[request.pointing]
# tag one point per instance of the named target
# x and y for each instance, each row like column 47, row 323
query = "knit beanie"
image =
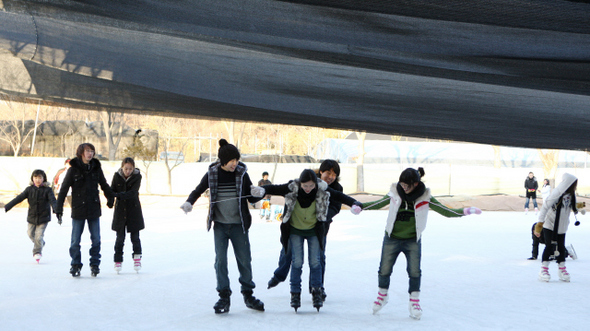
column 227, row 152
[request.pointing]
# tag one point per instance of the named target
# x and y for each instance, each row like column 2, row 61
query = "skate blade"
column 221, row 311
column 416, row 317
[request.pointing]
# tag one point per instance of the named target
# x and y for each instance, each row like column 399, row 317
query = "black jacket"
column 84, row 181
column 127, row 208
column 40, row 199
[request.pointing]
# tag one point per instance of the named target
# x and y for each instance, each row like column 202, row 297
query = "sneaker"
column 37, row 257
column 137, row 262
column 563, row 274
column 381, row 301
column 414, row 306
column 118, row 266
column 544, row 275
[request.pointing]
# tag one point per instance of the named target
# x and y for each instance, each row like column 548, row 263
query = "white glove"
column 583, row 211
column 355, row 209
column 257, row 191
column 471, row 210
column 186, row 207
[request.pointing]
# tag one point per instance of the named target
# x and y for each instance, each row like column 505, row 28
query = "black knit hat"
column 227, row 152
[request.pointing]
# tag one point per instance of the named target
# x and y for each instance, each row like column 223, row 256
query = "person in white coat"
column 553, row 224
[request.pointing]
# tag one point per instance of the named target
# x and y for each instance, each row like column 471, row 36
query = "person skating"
column 409, row 201
column 229, row 185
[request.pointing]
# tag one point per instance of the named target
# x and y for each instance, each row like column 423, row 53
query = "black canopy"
column 514, row 73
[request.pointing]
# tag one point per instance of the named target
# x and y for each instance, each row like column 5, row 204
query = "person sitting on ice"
column 409, row 201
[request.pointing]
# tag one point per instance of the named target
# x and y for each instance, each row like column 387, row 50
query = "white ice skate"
column 414, row 306
column 571, row 252
column 37, row 257
column 381, row 301
column 118, row 267
column 136, row 262
column 564, row 276
column 544, row 275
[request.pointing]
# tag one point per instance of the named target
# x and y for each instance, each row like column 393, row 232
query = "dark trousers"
column 120, row 242
column 536, row 242
column 549, row 247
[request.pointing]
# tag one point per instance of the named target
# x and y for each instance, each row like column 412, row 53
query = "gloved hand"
column 583, row 211
column 356, row 208
column 59, row 216
column 471, row 210
column 110, row 203
column 187, row 207
column 257, row 191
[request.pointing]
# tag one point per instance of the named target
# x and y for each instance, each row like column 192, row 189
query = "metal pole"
column 35, row 129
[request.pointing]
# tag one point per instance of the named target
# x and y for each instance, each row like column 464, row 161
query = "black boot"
column 295, row 300
column 316, row 294
column 222, row 305
column 273, row 282
column 251, row 301
column 94, row 270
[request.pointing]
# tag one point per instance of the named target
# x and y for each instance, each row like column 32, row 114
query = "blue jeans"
column 77, row 229
column 223, row 233
column 315, row 268
column 389, row 253
column 526, row 204
column 282, row 270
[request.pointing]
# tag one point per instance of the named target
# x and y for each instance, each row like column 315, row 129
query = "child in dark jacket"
column 128, row 216
column 41, row 199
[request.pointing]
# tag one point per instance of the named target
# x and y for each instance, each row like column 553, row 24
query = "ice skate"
column 526, row 211
column 273, row 282
column 251, row 301
column 222, row 305
column 414, row 306
column 316, row 294
column 564, row 276
column 544, row 273
column 137, row 262
column 75, row 270
column 37, row 257
column 118, row 267
column 536, row 210
column 381, row 301
column 295, row 300
column 94, row 270
column 571, row 252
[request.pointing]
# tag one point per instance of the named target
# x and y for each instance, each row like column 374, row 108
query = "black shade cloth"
column 513, row 73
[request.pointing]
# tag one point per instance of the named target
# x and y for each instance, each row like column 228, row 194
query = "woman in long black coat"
column 128, row 216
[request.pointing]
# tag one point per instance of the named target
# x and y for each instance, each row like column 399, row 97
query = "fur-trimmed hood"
column 322, row 200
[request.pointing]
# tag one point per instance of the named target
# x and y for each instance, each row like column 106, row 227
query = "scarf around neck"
column 305, row 199
column 415, row 194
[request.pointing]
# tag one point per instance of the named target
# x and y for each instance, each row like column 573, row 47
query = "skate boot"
column 273, row 282
column 94, row 270
column 295, row 300
column 75, row 270
column 222, row 305
column 118, row 267
column 544, row 275
column 564, row 276
column 137, row 262
column 536, row 210
column 37, row 257
column 571, row 252
column 381, row 301
column 251, row 301
column 316, row 295
column 414, row 306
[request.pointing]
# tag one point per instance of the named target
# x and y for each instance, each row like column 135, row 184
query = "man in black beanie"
column 229, row 185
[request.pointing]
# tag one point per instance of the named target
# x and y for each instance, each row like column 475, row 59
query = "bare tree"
column 231, row 131
column 550, row 159
column 138, row 151
column 110, row 121
column 16, row 129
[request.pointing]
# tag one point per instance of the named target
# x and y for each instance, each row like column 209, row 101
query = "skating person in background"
column 531, row 186
column 84, row 177
column 329, row 172
column 229, row 186
column 554, row 220
column 41, row 199
column 545, row 190
column 306, row 208
column 127, row 216
column 409, row 201
column 265, row 207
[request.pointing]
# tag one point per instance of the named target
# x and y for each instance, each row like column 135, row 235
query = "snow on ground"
column 475, row 277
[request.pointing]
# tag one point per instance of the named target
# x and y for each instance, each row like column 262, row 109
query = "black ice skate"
column 75, row 270
column 94, row 270
column 251, row 301
column 295, row 300
column 222, row 305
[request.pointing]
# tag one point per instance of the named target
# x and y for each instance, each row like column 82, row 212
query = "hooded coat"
column 548, row 211
column 84, row 181
column 127, row 207
column 41, row 200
